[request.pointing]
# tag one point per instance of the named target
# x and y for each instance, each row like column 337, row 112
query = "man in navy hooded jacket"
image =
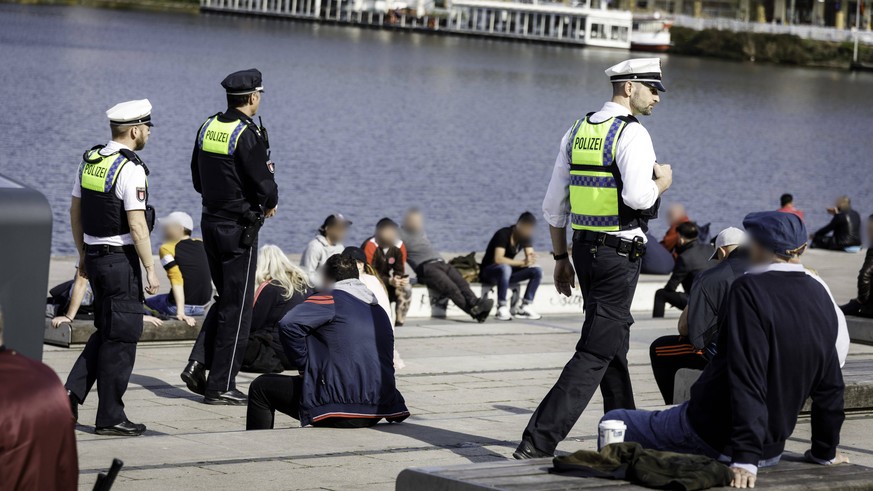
column 344, row 343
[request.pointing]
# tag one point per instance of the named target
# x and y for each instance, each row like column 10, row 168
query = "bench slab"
column 791, row 474
column 860, row 329
column 78, row 332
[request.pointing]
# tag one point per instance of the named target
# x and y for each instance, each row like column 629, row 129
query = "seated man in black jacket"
column 343, row 342
column 698, row 324
column 776, row 348
column 862, row 305
column 844, row 229
column 693, row 258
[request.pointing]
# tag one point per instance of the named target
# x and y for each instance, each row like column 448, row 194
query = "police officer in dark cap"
column 232, row 171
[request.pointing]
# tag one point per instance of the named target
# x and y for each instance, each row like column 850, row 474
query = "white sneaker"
column 503, row 313
column 525, row 312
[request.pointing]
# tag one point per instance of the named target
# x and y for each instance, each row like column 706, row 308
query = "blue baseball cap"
column 783, row 233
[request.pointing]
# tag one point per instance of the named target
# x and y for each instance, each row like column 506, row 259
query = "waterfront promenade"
column 470, row 387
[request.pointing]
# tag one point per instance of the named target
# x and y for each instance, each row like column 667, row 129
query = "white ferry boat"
column 650, row 32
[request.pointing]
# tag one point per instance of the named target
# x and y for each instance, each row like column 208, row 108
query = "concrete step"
column 860, row 329
column 78, row 332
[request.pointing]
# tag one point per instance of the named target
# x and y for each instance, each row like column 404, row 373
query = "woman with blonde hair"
column 281, row 286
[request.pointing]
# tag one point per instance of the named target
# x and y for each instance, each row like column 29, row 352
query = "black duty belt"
column 108, row 249
column 633, row 249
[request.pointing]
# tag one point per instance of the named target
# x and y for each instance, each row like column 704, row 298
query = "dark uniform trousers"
column 607, row 281
column 221, row 345
column 108, row 357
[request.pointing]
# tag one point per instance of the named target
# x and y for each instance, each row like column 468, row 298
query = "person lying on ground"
column 501, row 268
column 342, row 340
column 184, row 260
column 432, row 270
column 779, row 343
column 78, row 292
column 862, row 305
column 281, row 287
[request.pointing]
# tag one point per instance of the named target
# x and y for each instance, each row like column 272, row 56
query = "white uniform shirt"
column 129, row 179
column 635, row 157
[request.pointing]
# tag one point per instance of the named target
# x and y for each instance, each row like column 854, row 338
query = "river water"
column 369, row 123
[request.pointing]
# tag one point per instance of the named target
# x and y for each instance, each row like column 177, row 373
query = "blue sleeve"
column 748, row 352
column 298, row 324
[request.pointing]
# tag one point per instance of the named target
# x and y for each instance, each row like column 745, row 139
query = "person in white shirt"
column 111, row 222
column 328, row 242
column 607, row 184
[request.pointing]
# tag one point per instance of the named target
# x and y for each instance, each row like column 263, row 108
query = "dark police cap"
column 783, row 233
column 355, row 253
column 243, row 82
column 386, row 222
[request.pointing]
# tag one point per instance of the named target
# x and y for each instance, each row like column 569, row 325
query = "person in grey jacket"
column 328, row 242
column 693, row 258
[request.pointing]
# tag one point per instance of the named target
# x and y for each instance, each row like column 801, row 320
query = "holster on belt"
column 632, row 249
column 252, row 222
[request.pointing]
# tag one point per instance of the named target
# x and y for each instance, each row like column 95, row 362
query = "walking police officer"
column 606, row 183
column 111, row 221
column 232, row 170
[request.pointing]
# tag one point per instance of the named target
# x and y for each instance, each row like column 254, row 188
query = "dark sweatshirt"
column 775, row 348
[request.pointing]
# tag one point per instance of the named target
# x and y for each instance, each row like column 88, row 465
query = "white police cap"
column 131, row 113
column 644, row 70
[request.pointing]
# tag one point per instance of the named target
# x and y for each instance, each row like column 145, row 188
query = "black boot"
column 232, row 397
column 526, row 450
column 194, row 376
column 482, row 309
column 125, row 428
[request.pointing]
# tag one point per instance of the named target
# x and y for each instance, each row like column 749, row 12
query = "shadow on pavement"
column 160, row 388
column 471, row 447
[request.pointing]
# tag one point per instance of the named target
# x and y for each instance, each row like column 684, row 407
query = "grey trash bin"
column 25, row 252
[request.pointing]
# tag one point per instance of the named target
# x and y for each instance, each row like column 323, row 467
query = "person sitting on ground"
column 657, row 259
column 843, row 231
column 698, row 325
column 676, row 216
column 328, row 242
column 386, row 253
column 342, row 341
column 499, row 266
column 433, row 271
column 862, row 305
column 786, row 203
column 281, row 287
column 37, row 440
column 184, row 260
column 779, row 343
column 369, row 277
column 81, row 291
column 693, row 258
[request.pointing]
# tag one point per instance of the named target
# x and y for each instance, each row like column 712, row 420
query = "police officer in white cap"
column 606, row 184
column 232, row 171
column 111, row 221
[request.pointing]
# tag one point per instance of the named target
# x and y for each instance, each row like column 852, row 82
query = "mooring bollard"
column 25, row 252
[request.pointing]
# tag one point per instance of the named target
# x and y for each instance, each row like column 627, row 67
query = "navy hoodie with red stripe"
column 344, row 343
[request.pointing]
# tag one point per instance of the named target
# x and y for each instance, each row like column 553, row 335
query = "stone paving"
column 471, row 389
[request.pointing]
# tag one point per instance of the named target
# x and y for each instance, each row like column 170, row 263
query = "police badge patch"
column 141, row 194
